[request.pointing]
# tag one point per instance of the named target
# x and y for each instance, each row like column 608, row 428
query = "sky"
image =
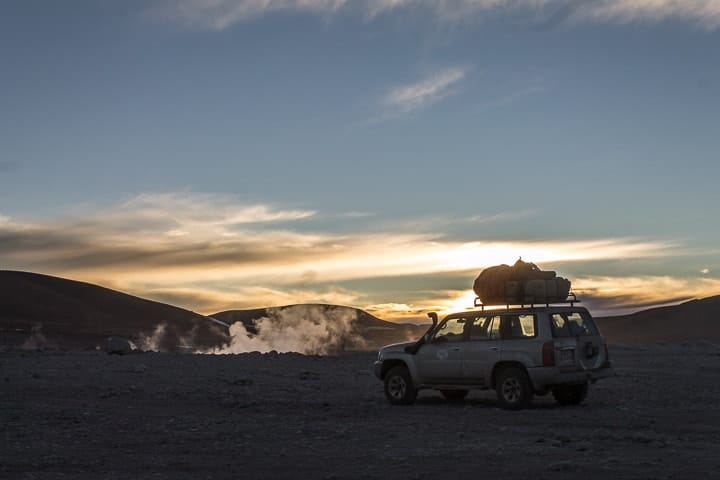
column 220, row 154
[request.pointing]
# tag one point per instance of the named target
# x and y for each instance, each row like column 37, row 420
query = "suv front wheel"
column 399, row 387
column 513, row 389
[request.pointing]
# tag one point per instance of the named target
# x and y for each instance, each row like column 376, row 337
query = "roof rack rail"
column 571, row 299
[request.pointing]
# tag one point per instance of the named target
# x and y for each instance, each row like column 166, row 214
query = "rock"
column 118, row 346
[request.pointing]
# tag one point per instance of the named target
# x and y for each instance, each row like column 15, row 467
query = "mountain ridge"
column 695, row 320
column 71, row 314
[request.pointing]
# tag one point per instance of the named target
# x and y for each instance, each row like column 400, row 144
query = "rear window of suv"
column 574, row 324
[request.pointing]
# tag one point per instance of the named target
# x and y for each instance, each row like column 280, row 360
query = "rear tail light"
column 548, row 354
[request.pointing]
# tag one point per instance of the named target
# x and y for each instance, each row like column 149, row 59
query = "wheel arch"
column 392, row 363
column 505, row 364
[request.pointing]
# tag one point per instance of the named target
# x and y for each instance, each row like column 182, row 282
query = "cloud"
column 235, row 255
column 501, row 217
column 356, row 214
column 703, row 12
column 222, row 14
column 705, row 271
column 415, row 95
column 197, row 212
column 136, row 239
column 207, row 300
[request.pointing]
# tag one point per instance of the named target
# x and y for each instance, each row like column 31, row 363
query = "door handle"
column 456, row 349
column 494, row 349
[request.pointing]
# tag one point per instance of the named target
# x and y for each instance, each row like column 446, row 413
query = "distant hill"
column 693, row 321
column 76, row 315
column 41, row 310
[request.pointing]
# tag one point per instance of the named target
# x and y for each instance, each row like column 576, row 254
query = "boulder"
column 119, row 346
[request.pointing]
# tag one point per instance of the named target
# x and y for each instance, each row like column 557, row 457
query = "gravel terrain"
column 174, row 416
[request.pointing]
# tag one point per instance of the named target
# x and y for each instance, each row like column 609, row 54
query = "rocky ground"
column 91, row 415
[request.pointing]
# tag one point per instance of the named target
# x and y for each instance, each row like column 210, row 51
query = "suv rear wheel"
column 513, row 389
column 399, row 387
column 570, row 394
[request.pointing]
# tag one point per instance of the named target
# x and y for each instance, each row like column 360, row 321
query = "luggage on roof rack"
column 522, row 284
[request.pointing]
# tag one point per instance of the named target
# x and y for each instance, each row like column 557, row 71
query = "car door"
column 440, row 360
column 483, row 349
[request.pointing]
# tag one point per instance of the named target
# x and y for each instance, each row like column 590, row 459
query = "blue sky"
column 236, row 153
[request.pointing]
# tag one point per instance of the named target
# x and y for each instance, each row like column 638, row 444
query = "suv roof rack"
column 571, row 299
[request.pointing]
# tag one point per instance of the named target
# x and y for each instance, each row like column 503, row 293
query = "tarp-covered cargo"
column 523, row 283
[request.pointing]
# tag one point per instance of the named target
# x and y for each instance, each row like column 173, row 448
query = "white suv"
column 519, row 352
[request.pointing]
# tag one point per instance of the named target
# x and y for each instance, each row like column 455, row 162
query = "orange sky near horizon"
column 209, row 254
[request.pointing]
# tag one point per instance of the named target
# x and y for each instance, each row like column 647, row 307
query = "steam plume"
column 310, row 330
column 153, row 342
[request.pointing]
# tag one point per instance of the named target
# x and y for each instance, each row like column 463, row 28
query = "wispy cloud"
column 703, row 12
column 197, row 212
column 356, row 214
column 412, row 96
column 221, row 14
column 501, row 216
column 209, row 301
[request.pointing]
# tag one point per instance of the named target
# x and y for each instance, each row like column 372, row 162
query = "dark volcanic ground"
column 90, row 415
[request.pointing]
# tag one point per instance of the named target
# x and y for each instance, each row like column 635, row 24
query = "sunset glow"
column 233, row 256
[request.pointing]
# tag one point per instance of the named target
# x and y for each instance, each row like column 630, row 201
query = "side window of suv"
column 493, row 328
column 451, row 330
column 518, row 326
column 485, row 328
